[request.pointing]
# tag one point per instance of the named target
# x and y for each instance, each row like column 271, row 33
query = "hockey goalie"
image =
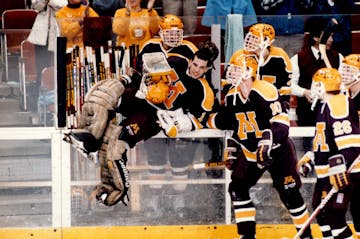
column 98, row 132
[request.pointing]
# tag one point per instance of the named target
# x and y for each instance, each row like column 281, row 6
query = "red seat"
column 11, row 4
column 16, row 24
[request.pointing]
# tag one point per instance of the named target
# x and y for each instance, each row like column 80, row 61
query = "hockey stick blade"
column 209, row 165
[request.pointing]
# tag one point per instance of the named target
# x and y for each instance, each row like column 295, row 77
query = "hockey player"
column 260, row 142
column 167, row 91
column 350, row 72
column 335, row 146
column 180, row 52
column 274, row 63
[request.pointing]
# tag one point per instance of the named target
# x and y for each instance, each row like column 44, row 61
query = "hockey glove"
column 167, row 123
column 339, row 177
column 264, row 148
column 230, row 153
column 306, row 164
column 174, row 122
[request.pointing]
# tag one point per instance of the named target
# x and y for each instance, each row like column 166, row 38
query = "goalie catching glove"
column 338, row 175
column 306, row 164
column 263, row 156
column 174, row 122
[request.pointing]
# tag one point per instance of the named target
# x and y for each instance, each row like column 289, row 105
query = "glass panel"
column 25, row 183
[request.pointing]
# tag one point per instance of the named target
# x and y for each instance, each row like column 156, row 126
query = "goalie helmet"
column 171, row 30
column 325, row 80
column 242, row 67
column 260, row 35
column 157, row 76
column 350, row 70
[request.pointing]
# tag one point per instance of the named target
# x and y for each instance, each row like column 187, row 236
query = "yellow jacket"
column 70, row 21
column 136, row 28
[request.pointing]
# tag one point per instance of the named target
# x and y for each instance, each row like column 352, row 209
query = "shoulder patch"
column 209, row 98
column 339, row 106
column 267, row 90
column 278, row 52
column 190, row 45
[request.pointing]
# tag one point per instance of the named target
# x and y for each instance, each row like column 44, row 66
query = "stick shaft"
column 323, row 203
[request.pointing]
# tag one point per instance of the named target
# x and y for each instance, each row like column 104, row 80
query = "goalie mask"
column 350, row 70
column 260, row 36
column 325, row 80
column 157, row 76
column 171, row 30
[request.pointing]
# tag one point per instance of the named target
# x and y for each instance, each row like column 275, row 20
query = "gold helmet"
column 260, row 35
column 329, row 78
column 241, row 67
column 171, row 30
column 350, row 70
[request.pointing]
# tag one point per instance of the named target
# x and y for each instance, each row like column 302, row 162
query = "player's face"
column 197, row 68
column 171, row 37
column 251, row 42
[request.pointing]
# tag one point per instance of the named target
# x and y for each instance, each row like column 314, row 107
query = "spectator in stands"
column 106, row 7
column 336, row 9
column 135, row 24
column 43, row 36
column 217, row 10
column 185, row 8
column 71, row 20
column 287, row 17
column 305, row 63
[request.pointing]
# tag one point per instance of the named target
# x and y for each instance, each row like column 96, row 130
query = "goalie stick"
column 323, row 202
column 330, row 28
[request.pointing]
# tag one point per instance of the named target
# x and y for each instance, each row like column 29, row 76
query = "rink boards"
column 264, row 231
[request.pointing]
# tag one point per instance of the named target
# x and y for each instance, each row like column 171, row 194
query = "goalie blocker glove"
column 338, row 175
column 264, row 148
column 306, row 164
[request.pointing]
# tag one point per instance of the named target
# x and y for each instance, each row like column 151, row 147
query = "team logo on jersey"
column 134, row 128
column 247, row 124
column 289, row 182
column 319, row 141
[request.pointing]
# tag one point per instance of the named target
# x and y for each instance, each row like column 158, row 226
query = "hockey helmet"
column 171, row 30
column 157, row 76
column 241, row 67
column 350, row 70
column 324, row 80
column 260, row 35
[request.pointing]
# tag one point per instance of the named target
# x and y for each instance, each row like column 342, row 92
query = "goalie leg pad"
column 94, row 118
column 101, row 99
column 108, row 195
column 108, row 90
column 112, row 161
